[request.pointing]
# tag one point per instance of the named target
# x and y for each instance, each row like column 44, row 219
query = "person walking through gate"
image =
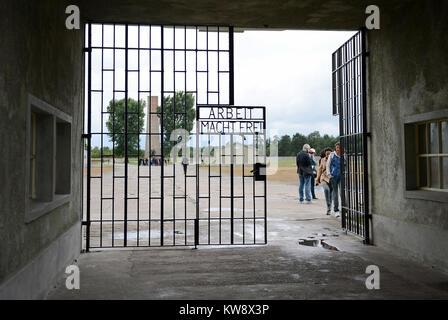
column 312, row 153
column 305, row 172
column 322, row 177
column 334, row 173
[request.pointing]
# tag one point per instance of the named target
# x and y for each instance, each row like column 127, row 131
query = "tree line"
column 179, row 112
column 289, row 146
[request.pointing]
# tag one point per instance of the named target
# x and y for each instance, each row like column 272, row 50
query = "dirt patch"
column 283, row 174
column 96, row 171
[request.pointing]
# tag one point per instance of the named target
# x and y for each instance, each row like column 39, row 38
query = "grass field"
column 286, row 171
column 283, row 174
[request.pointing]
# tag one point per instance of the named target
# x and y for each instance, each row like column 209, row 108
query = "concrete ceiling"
column 275, row 14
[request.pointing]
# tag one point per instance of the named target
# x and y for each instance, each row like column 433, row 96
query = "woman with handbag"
column 323, row 179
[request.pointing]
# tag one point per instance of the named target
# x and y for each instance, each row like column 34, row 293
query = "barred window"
column 432, row 155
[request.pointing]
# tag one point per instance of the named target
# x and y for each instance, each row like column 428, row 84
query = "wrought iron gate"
column 142, row 83
column 232, row 189
column 349, row 102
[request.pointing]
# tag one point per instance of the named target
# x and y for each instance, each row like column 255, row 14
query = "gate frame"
column 256, row 136
column 87, row 132
column 341, row 107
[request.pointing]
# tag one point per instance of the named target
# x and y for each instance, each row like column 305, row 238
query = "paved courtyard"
column 282, row 269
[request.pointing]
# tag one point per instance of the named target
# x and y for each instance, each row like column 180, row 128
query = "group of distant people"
column 152, row 161
column 328, row 175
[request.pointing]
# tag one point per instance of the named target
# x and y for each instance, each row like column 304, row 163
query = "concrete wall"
column 408, row 75
column 39, row 56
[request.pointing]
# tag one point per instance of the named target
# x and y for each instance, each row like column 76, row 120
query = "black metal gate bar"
column 125, row 226
column 113, row 145
column 107, row 229
column 231, row 102
column 162, row 110
column 265, row 152
column 89, row 137
column 258, row 154
column 364, row 138
column 349, row 102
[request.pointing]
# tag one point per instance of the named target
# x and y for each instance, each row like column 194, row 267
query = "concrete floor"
column 283, row 269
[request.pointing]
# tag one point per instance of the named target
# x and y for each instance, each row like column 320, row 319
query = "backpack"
column 335, row 166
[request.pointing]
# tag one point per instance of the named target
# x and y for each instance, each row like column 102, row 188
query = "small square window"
column 432, row 152
column 445, row 172
column 434, row 137
column 48, row 160
column 422, row 138
column 444, row 136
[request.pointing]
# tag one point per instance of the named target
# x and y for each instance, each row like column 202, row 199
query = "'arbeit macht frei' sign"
column 218, row 119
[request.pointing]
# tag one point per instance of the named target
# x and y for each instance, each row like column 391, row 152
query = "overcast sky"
column 289, row 72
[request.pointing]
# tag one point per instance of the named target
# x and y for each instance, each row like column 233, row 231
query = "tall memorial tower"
column 152, row 126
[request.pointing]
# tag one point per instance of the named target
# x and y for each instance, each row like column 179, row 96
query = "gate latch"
column 185, row 164
column 259, row 171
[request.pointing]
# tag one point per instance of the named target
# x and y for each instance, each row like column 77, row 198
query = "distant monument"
column 152, row 126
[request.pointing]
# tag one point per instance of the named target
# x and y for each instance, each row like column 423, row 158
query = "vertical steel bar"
column 138, row 135
column 232, row 209
column 208, row 136
column 185, row 127
column 113, row 141
column 196, row 221
column 220, row 156
column 162, row 136
column 244, row 193
column 83, row 142
column 341, row 130
column 209, row 188
column 231, row 102
column 359, row 147
column 220, row 189
column 174, row 126
column 231, row 73
column 149, row 136
column 125, row 226
column 255, row 143
column 89, row 138
column 101, row 151
column 348, row 141
column 355, row 146
column 365, row 134
column 265, row 181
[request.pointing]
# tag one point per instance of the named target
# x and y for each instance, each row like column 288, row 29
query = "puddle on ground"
column 317, row 243
column 228, row 210
column 144, row 234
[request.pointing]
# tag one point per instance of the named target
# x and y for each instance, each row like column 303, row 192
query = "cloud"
column 289, row 72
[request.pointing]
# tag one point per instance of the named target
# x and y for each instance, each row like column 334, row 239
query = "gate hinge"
column 85, row 136
column 89, row 50
column 84, row 223
column 369, row 134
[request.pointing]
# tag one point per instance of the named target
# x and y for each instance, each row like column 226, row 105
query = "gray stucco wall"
column 408, row 75
column 39, row 56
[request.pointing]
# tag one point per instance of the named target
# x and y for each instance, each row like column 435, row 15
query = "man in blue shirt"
column 334, row 173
